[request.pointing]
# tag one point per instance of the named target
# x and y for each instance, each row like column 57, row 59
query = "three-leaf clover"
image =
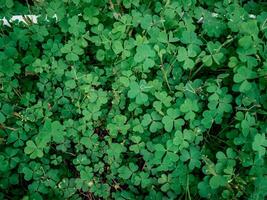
column 126, row 172
column 183, row 139
column 144, row 52
column 193, row 155
column 186, row 55
column 260, row 144
column 118, row 125
column 214, row 54
column 190, row 37
column 117, row 46
column 171, row 120
column 138, row 92
column 152, row 120
column 138, row 145
column 244, row 73
column 32, row 149
column 114, row 152
column 90, row 15
column 189, row 107
column 76, row 27
column 217, row 181
column 72, row 51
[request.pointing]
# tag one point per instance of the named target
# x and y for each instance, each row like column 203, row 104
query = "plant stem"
column 165, row 77
column 195, row 73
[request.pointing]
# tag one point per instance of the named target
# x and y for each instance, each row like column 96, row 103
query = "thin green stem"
column 187, row 188
column 165, row 77
column 195, row 73
column 29, row 8
column 225, row 43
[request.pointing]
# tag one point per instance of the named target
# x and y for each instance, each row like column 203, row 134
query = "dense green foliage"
column 134, row 99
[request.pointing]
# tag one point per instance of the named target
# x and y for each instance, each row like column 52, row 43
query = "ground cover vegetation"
column 133, row 99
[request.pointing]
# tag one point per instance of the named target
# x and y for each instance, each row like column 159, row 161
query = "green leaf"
column 190, row 37
column 245, row 42
column 143, row 52
column 100, row 55
column 170, row 119
column 118, row 125
column 9, row 3
column 189, row 107
column 115, row 150
column 2, row 118
column 4, row 165
column 76, row 28
column 138, row 91
column 217, row 181
column 33, row 150
column 124, row 172
column 260, row 144
column 117, row 47
column 90, row 15
column 148, row 63
column 72, row 57
column 244, row 73
column 250, row 27
column 146, row 22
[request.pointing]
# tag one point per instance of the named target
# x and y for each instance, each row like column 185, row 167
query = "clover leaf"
column 131, row 99
column 126, row 172
column 190, row 37
column 214, row 54
column 117, row 46
column 115, row 150
column 217, row 181
column 152, row 120
column 171, row 120
column 90, row 15
column 9, row 67
column 118, row 125
column 138, row 91
column 2, row 118
column 76, row 28
column 183, row 55
column 243, row 74
column 213, row 26
column 189, row 107
column 259, row 144
column 138, row 145
column 32, row 149
column 72, row 51
column 193, row 156
column 183, row 139
column 143, row 52
column 248, row 124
